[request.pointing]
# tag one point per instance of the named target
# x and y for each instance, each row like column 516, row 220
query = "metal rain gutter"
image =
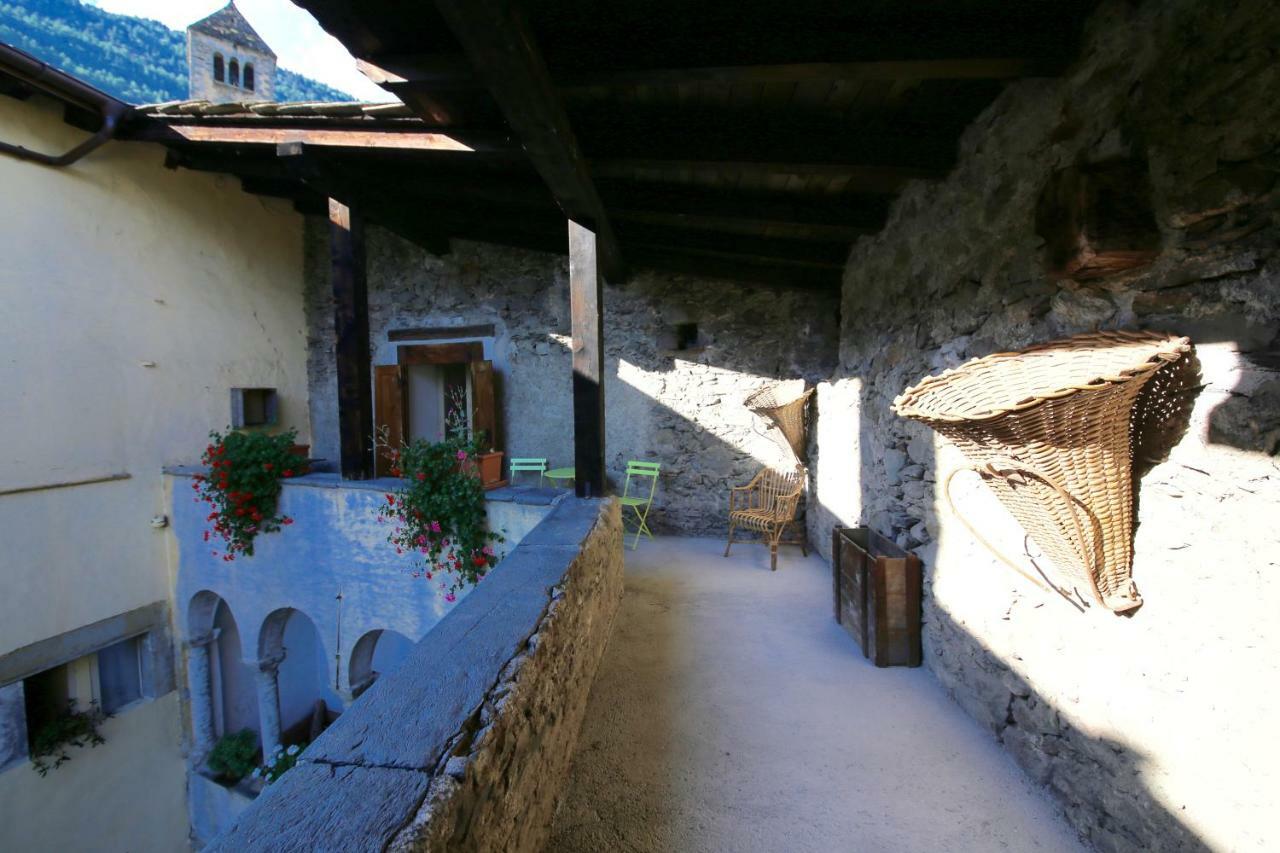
column 40, row 75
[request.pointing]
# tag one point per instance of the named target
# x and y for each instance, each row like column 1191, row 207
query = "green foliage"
column 439, row 513
column 233, row 756
column 65, row 729
column 283, row 760
column 139, row 61
column 242, row 485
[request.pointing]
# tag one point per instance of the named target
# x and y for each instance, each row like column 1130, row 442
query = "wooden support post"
column 586, row 310
column 351, row 327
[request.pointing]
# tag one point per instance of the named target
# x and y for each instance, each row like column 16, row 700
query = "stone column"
column 200, row 678
column 266, row 671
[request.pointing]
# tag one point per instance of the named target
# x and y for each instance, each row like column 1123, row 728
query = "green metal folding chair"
column 528, row 464
column 639, row 505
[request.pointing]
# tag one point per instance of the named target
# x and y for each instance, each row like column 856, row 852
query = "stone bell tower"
column 228, row 61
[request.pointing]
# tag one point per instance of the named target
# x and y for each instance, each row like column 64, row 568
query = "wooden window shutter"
column 390, row 411
column 484, row 407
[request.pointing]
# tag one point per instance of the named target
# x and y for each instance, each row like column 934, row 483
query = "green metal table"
column 561, row 474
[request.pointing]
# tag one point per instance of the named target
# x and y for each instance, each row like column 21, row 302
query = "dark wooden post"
column 351, row 327
column 586, row 306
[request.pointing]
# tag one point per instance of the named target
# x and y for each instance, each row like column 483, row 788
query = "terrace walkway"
column 731, row 713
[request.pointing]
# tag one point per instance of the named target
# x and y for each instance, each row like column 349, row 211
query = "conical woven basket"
column 784, row 404
column 1049, row 429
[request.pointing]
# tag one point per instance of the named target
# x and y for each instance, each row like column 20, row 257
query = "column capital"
column 204, row 639
column 269, row 664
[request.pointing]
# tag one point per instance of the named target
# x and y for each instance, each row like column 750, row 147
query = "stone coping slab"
column 526, row 495
column 364, row 779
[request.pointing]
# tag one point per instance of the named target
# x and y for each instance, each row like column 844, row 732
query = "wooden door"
column 390, row 413
column 484, row 408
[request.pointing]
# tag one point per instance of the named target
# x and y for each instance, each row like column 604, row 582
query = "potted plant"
column 282, row 761
column 439, row 514
column 69, row 727
column 233, row 757
column 242, row 486
column 491, row 469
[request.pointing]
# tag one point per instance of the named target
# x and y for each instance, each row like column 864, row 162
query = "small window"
column 681, row 337
column 686, row 335
column 248, row 76
column 48, row 697
column 233, row 73
column 219, row 71
column 119, row 676
column 251, row 407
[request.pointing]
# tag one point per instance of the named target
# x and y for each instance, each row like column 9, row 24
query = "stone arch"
column 376, row 652
column 305, row 674
column 219, row 68
column 201, row 611
column 248, row 76
column 234, row 692
column 233, row 73
column 222, row 694
column 271, row 634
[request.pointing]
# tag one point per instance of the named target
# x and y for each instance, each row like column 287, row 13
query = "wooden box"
column 877, row 587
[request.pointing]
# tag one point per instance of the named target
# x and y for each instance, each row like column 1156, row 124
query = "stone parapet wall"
column 466, row 746
column 1149, row 730
column 683, row 409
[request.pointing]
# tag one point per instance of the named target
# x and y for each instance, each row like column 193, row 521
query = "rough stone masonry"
column 1152, row 731
column 680, row 407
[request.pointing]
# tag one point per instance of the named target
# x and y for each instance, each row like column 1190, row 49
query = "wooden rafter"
column 334, row 137
column 503, row 50
column 904, row 70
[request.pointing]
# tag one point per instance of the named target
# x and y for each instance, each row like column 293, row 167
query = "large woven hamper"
column 1050, row 430
column 785, row 404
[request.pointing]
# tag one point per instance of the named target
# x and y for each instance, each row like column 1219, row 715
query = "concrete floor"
column 731, row 713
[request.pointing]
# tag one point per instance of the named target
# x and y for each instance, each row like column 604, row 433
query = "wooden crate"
column 876, row 588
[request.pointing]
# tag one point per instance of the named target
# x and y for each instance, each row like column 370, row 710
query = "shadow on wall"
column 1122, row 718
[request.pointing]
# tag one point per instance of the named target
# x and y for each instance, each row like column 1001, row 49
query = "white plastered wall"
column 132, row 298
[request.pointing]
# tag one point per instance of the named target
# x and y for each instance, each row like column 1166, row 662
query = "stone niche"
column 1096, row 219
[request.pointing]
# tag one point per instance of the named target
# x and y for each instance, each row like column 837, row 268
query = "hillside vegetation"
column 138, row 60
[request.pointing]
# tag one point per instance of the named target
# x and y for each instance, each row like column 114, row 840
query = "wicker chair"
column 767, row 505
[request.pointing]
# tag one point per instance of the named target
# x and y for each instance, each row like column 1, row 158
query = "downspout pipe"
column 40, row 75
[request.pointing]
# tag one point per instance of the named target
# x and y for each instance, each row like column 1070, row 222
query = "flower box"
column 877, row 590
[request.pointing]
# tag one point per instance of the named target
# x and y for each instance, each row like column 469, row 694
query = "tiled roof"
column 272, row 109
column 227, row 23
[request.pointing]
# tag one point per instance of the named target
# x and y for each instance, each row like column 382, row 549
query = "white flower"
column 293, row 750
column 257, row 773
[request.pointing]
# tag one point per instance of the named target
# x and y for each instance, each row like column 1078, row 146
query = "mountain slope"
column 138, row 60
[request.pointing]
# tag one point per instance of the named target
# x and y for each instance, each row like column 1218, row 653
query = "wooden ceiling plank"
column 501, row 47
column 918, row 69
column 402, row 140
column 865, row 177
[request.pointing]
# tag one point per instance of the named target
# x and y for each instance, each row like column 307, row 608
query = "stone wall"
column 683, row 409
column 466, row 746
column 1152, row 731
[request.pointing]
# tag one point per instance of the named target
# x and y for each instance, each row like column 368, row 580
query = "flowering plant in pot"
column 242, row 486
column 438, row 515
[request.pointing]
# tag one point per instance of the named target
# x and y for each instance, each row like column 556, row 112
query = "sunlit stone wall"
column 1152, row 731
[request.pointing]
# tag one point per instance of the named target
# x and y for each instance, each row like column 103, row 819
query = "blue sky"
column 293, row 34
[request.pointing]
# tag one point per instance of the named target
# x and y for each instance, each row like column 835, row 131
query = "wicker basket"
column 785, row 404
column 1049, row 430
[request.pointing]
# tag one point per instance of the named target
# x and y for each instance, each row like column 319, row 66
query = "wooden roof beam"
column 388, row 139
column 871, row 178
column 901, row 70
column 501, row 47
column 745, row 225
